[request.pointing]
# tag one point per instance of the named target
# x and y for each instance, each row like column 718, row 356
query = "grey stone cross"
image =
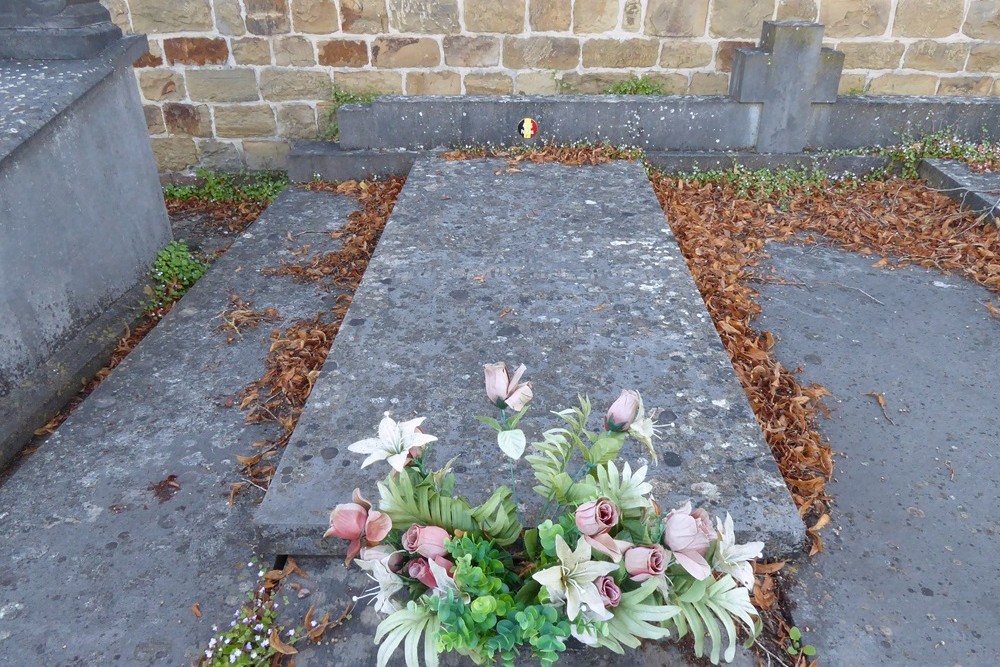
column 786, row 74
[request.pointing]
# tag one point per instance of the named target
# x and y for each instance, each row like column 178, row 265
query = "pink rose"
column 622, row 412
column 597, row 517
column 611, row 595
column 504, row 391
column 688, row 535
column 428, row 541
column 420, row 570
column 645, row 562
column 357, row 523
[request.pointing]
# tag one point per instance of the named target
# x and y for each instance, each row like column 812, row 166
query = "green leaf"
column 531, row 544
column 721, row 602
column 553, row 455
column 626, row 489
column 516, row 419
column 635, row 619
column 606, row 448
column 512, row 443
column 795, row 634
column 809, row 650
column 489, row 421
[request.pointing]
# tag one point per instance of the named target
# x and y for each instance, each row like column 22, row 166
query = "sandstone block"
column 739, row 18
column 405, row 52
column 219, row 155
column 984, row 58
column 190, row 120
column 154, row 119
column 680, row 54
column 724, row 54
column 382, row 83
column 965, row 85
column 222, row 85
column 297, row 121
column 152, row 58
column 550, row 15
column 871, row 55
column 161, row 84
column 539, row 52
column 936, row 56
column 293, row 51
column 196, row 50
column 615, row 53
column 240, row 121
column 267, row 17
column 251, row 51
column 364, row 16
column 672, row 84
column 261, row 155
column 438, row 17
column 174, row 153
column 594, row 15
column 171, row 16
column 982, row 21
column 632, row 16
column 855, row 18
column 494, row 16
column 928, row 18
column 851, row 84
column 229, row 18
column 119, row 13
column 536, row 83
column 279, row 85
column 676, row 18
column 315, row 16
column 798, row 9
column 488, row 84
column 464, row 51
column 903, row 84
column 708, row 83
column 343, row 53
column 591, row 83
column 433, row 83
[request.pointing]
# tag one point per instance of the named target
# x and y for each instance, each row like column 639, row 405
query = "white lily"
column 445, row 582
column 644, row 429
column 394, row 442
column 389, row 583
column 573, row 580
column 734, row 559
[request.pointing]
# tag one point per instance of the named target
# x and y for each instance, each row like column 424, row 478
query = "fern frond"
column 407, row 503
column 722, row 602
column 626, row 489
column 497, row 518
column 554, row 453
column 635, row 619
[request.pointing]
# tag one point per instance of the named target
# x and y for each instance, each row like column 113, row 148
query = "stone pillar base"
column 80, row 30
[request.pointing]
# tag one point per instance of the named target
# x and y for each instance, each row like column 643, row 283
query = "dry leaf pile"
column 240, row 315
column 233, row 216
column 574, row 156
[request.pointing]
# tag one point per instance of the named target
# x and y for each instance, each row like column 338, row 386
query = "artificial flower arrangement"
column 604, row 566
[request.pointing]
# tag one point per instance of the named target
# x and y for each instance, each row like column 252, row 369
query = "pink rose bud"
column 505, row 392
column 597, row 517
column 704, row 521
column 421, row 571
column 611, row 595
column 622, row 412
column 347, row 521
column 688, row 535
column 428, row 541
column 646, row 561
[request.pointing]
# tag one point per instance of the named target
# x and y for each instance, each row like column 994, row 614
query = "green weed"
column 218, row 186
column 340, row 98
column 175, row 270
column 637, row 85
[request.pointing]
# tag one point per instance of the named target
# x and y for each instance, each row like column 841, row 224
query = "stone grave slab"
column 572, row 271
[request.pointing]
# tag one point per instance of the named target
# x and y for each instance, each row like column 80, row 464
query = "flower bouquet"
column 604, row 565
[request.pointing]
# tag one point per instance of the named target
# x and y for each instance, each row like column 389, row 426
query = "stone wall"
column 228, row 82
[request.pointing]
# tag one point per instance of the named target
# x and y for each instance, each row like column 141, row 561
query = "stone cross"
column 788, row 73
column 54, row 29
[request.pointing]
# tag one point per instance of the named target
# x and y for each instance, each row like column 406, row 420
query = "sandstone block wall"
column 229, row 82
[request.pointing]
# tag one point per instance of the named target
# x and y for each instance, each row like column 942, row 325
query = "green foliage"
column 339, row 98
column 216, row 186
column 706, row 604
column 637, row 85
column 795, row 646
column 554, row 452
column 409, row 625
column 906, row 155
column 175, row 270
column 771, row 184
column 636, row 619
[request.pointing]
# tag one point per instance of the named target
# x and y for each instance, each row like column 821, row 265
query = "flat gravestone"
column 572, row 271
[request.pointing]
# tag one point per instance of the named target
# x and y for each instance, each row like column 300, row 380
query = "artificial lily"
column 573, row 580
column 396, row 443
column 733, row 558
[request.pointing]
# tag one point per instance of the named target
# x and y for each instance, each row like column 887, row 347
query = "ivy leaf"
column 512, row 443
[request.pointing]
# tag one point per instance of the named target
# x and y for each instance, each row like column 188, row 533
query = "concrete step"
column 979, row 193
column 570, row 270
column 97, row 570
column 326, row 160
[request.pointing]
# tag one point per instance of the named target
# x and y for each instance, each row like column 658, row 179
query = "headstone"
column 572, row 271
column 788, row 73
column 54, row 29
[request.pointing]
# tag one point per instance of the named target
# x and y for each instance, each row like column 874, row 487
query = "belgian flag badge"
column 527, row 128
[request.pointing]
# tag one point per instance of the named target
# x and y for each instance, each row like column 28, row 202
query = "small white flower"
column 265, row 643
column 291, row 632
column 253, row 655
column 313, row 624
column 393, row 444
column 732, row 558
column 211, row 642
column 644, row 429
column 208, row 654
column 573, row 580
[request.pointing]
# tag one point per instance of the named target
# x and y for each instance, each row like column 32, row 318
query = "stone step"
column 980, row 193
column 570, row 270
column 96, row 570
column 327, row 161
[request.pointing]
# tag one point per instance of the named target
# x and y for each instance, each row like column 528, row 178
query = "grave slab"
column 98, row 571
column 570, row 270
column 977, row 192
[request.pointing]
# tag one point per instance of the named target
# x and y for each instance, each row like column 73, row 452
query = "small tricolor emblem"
column 527, row 128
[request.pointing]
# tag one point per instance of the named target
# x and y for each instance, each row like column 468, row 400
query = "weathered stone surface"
column 536, row 83
column 972, row 190
column 550, row 15
column 672, row 84
column 671, row 18
column 196, row 50
column 364, row 16
column 680, row 54
column 488, row 84
column 984, row 58
column 251, row 51
column 154, row 119
column 343, row 53
column 118, row 9
column 541, row 52
column 266, row 154
column 192, row 120
column 928, row 18
column 297, row 51
column 594, row 15
column 965, row 85
column 903, row 84
column 315, row 16
column 267, row 17
column 855, row 18
column 739, row 18
column 632, row 16
column 433, row 83
column 617, row 53
column 175, row 16
column 161, row 84
column 153, row 58
column 493, row 16
column 174, row 153
column 806, row 10
column 465, row 51
column 223, row 155
column 222, row 85
column 871, row 55
column 591, row 83
column 405, row 52
column 229, row 17
column 439, row 17
column 708, row 83
column 724, row 55
column 936, row 56
column 279, row 85
column 852, row 84
column 383, row 83
column 327, row 160
column 236, row 122
column 419, row 301
column 297, row 121
column 983, row 20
